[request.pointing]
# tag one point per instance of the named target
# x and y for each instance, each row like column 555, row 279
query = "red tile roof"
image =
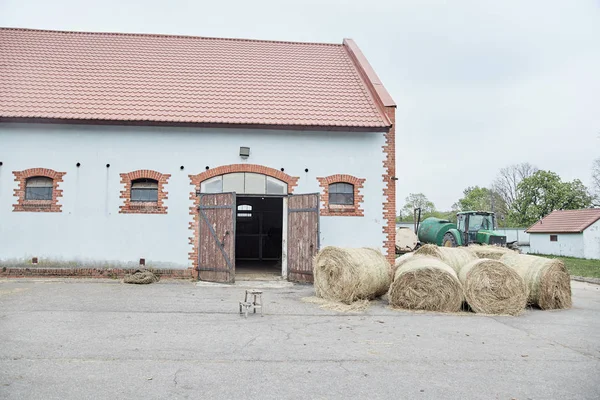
column 180, row 79
column 566, row 221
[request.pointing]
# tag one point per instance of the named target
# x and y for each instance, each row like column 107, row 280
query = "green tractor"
column 471, row 227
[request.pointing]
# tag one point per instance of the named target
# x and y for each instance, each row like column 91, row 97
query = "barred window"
column 38, row 188
column 341, row 194
column 144, row 190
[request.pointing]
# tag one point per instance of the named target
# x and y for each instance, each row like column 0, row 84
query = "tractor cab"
column 479, row 227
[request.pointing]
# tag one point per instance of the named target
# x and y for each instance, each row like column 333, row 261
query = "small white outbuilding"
column 571, row 233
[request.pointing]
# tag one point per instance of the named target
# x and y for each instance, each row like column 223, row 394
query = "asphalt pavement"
column 100, row 339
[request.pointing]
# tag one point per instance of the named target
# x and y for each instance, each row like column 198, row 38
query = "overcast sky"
column 479, row 84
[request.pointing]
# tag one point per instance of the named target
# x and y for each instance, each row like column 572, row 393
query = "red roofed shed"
column 574, row 233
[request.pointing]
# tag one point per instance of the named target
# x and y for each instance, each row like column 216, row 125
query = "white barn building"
column 196, row 156
column 571, row 233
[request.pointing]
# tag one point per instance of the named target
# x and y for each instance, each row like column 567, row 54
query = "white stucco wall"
column 591, row 241
column 90, row 228
column 568, row 244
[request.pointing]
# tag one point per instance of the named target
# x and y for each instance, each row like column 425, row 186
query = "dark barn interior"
column 258, row 235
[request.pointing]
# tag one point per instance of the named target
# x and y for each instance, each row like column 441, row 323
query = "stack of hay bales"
column 548, row 280
column 488, row 286
column 440, row 279
column 349, row 275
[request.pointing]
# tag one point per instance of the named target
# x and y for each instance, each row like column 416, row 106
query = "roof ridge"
column 169, row 36
column 368, row 74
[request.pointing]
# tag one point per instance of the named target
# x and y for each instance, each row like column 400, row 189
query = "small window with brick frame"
column 341, row 194
column 144, row 190
column 39, row 188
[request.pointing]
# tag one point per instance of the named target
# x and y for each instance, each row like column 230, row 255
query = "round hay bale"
column 548, row 280
column 491, row 252
column 348, row 275
column 141, row 277
column 426, row 283
column 491, row 287
column 406, row 240
column 399, row 261
column 455, row 257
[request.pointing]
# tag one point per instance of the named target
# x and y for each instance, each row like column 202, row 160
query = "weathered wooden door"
column 216, row 242
column 303, row 236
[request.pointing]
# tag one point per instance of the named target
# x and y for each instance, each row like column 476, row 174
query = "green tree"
column 480, row 199
column 483, row 199
column 544, row 192
column 416, row 200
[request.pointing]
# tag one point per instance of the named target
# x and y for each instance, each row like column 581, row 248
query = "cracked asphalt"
column 100, row 339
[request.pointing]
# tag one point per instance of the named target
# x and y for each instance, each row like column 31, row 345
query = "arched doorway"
column 246, row 214
column 259, row 221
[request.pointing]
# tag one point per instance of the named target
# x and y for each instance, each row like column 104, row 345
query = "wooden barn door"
column 216, row 245
column 303, row 236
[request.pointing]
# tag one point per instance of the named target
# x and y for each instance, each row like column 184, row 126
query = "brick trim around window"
column 38, row 205
column 354, row 210
column 151, row 207
column 196, row 180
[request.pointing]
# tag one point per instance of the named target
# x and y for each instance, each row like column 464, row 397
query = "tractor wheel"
column 449, row 240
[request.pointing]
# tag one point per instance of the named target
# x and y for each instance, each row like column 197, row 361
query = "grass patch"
column 579, row 266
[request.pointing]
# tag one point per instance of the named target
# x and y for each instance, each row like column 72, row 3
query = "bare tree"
column 596, row 175
column 508, row 179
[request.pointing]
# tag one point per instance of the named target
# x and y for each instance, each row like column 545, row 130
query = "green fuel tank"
column 432, row 230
